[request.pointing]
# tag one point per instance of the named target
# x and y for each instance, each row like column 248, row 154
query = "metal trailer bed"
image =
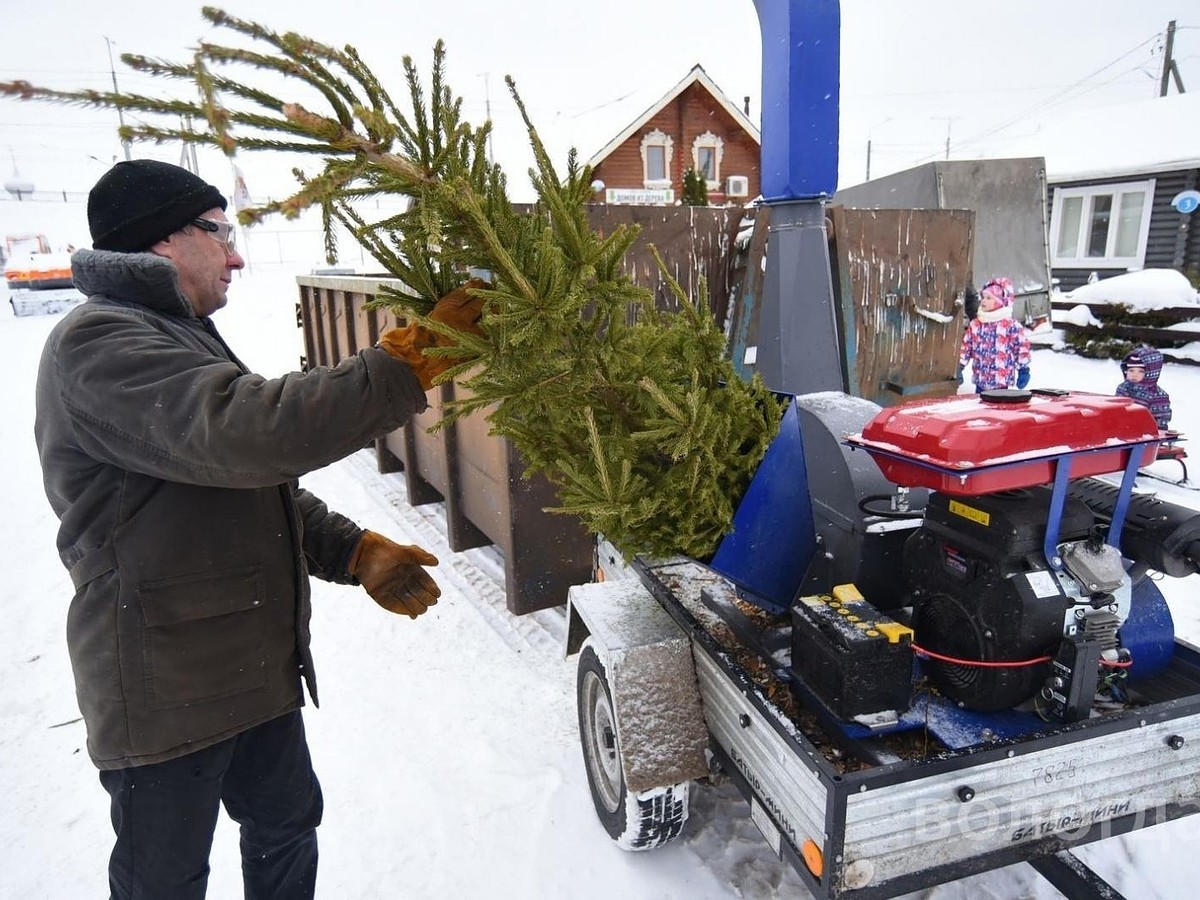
column 875, row 824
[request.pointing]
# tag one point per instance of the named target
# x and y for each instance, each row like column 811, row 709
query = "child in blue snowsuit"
column 1142, row 367
column 995, row 344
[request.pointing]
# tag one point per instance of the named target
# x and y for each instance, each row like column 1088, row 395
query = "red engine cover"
column 970, row 445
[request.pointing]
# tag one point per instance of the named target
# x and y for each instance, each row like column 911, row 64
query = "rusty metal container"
column 479, row 477
column 898, row 282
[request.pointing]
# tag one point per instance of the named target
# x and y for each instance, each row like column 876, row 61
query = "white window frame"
column 708, row 139
column 657, row 138
column 1088, row 193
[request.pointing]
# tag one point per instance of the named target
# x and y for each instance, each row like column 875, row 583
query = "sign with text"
column 639, row 196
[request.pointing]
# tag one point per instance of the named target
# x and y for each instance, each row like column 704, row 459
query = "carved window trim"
column 710, row 141
column 659, row 139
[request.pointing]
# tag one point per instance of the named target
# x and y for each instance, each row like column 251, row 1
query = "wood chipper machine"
column 931, row 645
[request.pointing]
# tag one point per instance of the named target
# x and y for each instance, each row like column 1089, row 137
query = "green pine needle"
column 631, row 411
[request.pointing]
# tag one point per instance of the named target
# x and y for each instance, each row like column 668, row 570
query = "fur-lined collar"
column 144, row 278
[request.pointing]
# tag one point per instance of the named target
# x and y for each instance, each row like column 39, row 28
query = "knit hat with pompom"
column 1000, row 290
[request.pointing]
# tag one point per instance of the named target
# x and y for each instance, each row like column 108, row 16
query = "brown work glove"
column 457, row 309
column 391, row 573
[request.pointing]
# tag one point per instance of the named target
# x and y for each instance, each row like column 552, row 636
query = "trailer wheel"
column 636, row 821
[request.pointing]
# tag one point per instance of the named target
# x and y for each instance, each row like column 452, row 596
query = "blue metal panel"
column 801, row 56
column 1149, row 632
column 773, row 537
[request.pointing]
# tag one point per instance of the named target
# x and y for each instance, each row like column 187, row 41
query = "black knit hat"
column 138, row 203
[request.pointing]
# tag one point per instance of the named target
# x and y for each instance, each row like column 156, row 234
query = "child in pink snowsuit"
column 995, row 344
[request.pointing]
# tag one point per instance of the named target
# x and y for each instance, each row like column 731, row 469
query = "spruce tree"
column 632, row 412
column 695, row 189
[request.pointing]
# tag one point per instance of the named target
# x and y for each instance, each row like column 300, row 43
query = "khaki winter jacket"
column 173, row 471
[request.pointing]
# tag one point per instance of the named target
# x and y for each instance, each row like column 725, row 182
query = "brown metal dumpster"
column 898, row 279
column 479, row 477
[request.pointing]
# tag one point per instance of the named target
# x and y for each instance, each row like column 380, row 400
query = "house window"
column 1101, row 225
column 656, row 160
column 707, row 151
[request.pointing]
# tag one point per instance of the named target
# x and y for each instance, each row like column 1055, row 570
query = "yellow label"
column 970, row 512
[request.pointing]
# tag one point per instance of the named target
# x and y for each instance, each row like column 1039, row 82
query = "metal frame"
column 802, row 795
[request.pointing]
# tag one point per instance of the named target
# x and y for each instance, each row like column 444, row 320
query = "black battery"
column 852, row 657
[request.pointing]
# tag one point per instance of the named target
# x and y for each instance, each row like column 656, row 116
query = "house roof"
column 696, row 76
column 1158, row 134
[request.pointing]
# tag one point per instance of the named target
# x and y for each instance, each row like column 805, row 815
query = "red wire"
column 980, row 662
column 1004, row 665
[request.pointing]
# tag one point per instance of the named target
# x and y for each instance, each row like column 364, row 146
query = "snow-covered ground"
column 446, row 746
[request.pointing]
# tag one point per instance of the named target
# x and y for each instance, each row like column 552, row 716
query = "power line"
column 969, row 91
column 1049, row 102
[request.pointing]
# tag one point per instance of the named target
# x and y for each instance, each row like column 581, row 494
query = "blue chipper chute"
column 798, row 345
column 801, row 45
column 773, row 537
column 801, row 522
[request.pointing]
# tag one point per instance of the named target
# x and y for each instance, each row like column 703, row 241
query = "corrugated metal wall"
column 694, row 241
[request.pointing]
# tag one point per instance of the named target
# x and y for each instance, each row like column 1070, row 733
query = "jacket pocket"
column 205, row 637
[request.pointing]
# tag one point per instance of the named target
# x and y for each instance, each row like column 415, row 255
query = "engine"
column 1017, row 586
column 972, row 536
column 990, row 612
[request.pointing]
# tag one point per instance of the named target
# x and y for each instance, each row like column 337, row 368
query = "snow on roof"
column 1159, row 134
column 1144, row 290
column 696, row 75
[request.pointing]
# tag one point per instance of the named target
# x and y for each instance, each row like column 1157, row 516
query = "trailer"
column 914, row 692
column 854, row 816
column 931, row 645
column 38, row 280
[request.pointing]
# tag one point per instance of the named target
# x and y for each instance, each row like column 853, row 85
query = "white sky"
column 913, row 71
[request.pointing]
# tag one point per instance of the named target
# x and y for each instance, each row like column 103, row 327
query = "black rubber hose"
column 1164, row 536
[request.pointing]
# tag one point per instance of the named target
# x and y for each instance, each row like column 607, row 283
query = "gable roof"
column 696, row 76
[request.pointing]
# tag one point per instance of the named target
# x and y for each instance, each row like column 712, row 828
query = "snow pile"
column 1079, row 315
column 1146, row 290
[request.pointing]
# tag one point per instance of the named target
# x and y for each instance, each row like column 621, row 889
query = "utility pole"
column 949, row 120
column 116, row 90
column 869, row 130
column 1169, row 69
column 487, row 105
column 187, row 157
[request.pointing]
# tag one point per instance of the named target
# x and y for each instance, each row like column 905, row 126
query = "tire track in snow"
column 477, row 574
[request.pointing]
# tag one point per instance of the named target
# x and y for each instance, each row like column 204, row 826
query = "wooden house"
column 1122, row 189
column 692, row 126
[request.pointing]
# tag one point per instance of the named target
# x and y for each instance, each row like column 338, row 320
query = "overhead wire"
column 1051, row 101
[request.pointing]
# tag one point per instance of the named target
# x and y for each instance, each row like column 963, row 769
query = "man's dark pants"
column 164, row 815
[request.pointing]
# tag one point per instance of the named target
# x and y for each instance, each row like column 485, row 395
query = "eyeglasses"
column 221, row 232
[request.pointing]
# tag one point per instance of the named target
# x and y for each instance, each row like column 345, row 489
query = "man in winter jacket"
column 173, row 470
column 1142, row 367
column 994, row 343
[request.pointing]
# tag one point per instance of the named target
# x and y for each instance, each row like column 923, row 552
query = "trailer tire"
column 636, row 821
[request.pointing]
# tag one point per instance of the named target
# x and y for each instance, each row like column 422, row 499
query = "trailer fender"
column 661, row 734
